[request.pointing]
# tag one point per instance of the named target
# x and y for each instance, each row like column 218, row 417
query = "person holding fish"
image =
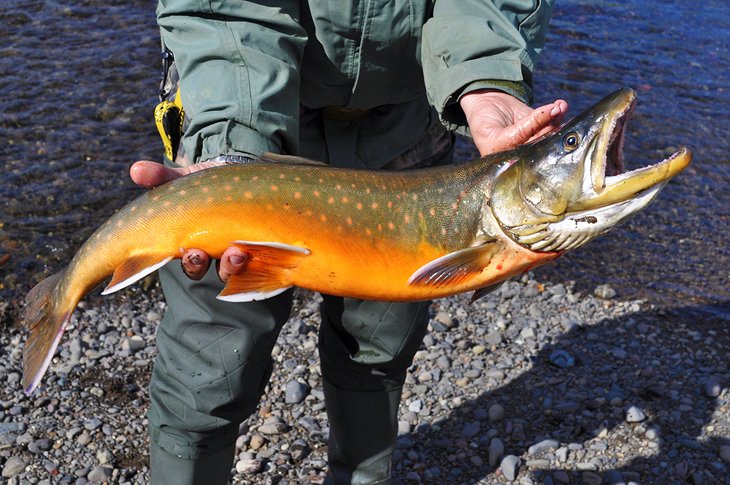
column 371, row 84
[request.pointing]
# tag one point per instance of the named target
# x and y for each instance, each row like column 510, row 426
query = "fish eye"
column 571, row 141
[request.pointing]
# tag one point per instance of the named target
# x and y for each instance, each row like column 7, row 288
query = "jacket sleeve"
column 239, row 73
column 476, row 44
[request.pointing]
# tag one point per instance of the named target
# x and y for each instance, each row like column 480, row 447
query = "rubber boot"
column 363, row 431
column 213, row 469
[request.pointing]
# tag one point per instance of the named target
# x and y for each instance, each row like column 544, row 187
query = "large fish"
column 411, row 235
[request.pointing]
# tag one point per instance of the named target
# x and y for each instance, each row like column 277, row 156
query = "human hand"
column 499, row 121
column 195, row 262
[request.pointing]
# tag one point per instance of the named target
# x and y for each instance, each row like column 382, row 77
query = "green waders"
column 214, row 362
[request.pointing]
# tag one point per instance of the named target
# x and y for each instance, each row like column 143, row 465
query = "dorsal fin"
column 269, row 157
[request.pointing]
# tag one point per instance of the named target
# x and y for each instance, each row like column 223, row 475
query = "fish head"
column 570, row 186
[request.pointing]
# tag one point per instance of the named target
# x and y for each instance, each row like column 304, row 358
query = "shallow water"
column 79, row 85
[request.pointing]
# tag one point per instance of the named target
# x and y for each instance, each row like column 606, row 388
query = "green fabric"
column 168, row 469
column 472, row 40
column 249, row 69
column 213, row 362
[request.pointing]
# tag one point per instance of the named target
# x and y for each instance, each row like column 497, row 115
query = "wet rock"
column 634, row 414
column 471, row 429
column 496, row 450
column 13, row 466
column 605, row 292
column 99, row 474
column 295, row 392
column 542, row 446
column 496, row 412
column 510, row 466
column 250, row 466
column 561, row 358
column 725, row 453
column 712, row 387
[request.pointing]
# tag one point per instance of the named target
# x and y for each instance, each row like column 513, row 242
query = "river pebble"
column 510, row 466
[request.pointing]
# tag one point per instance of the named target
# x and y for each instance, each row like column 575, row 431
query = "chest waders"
column 214, row 360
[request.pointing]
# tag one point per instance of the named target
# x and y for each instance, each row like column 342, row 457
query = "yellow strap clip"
column 169, row 116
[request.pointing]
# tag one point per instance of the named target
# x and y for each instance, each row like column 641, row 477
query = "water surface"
column 79, row 85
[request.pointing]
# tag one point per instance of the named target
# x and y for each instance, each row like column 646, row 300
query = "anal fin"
column 456, row 267
column 134, row 269
column 267, row 272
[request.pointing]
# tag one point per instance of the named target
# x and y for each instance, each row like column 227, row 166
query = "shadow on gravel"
column 658, row 362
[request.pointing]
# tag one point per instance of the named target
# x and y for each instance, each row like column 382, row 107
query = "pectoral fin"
column 456, row 267
column 267, row 272
column 134, row 269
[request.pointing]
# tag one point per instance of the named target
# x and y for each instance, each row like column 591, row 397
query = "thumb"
column 151, row 174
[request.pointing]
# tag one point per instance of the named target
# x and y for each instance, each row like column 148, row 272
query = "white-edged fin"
column 49, row 353
column 456, row 267
column 267, row 272
column 252, row 295
column 134, row 269
column 276, row 245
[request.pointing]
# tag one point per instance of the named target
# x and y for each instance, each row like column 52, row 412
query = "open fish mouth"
column 606, row 182
column 608, row 194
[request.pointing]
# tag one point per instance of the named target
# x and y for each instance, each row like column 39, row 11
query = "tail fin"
column 46, row 315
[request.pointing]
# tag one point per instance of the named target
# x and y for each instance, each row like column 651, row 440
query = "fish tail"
column 46, row 313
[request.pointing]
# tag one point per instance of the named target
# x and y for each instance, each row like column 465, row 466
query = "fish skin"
column 395, row 236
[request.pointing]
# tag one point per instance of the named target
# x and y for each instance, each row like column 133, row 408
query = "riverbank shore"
column 533, row 384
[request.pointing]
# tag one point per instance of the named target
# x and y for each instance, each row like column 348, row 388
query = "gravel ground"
column 534, row 384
